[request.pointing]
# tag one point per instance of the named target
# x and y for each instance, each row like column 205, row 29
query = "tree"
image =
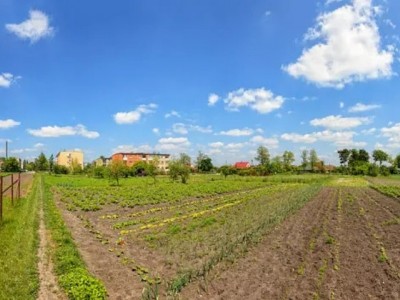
column 288, row 160
column 276, row 165
column 204, row 163
column 152, row 169
column 10, row 164
column 180, row 168
column 380, row 155
column 304, row 159
column 115, row 170
column 396, row 161
column 344, row 156
column 363, row 155
column 313, row 159
column 76, row 168
column 41, row 163
column 263, row 156
column 51, row 163
column 225, row 170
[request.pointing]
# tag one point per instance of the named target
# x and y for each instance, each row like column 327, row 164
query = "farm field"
column 297, row 237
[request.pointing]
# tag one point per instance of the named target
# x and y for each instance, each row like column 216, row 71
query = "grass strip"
column 19, row 242
column 73, row 276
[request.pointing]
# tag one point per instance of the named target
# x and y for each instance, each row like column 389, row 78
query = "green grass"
column 18, row 247
column 69, row 266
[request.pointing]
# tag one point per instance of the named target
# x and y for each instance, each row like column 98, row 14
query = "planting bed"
column 241, row 238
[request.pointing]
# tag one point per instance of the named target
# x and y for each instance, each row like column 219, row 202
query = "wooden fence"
column 14, row 186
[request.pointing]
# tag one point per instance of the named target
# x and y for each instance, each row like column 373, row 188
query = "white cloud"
column 38, row 145
column 267, row 13
column 134, row 115
column 173, row 144
column 156, row 131
column 132, row 148
column 33, row 29
column 261, row 100
column 238, row 132
column 350, row 39
column 57, row 131
column 181, row 128
column 339, row 122
column 360, row 107
column 338, row 138
column 7, row 79
column 172, row 113
column 341, row 104
column 9, row 123
column 392, row 133
column 213, row 99
column 216, row 145
column 234, row 147
column 268, row 142
column 368, row 131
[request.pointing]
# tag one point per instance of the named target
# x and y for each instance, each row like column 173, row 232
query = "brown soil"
column 344, row 244
column 326, row 251
column 120, row 281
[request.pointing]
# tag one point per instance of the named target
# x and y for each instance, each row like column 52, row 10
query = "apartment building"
column 66, row 158
column 131, row 158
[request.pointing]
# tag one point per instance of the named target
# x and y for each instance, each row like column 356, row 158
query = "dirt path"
column 48, row 289
column 331, row 249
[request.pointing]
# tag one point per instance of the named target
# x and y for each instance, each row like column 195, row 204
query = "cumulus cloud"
column 238, row 132
column 350, row 48
column 57, row 131
column 172, row 113
column 338, row 138
column 392, row 133
column 261, row 100
column 134, row 115
column 268, row 142
column 132, row 149
column 213, row 99
column 339, row 122
column 216, row 145
column 33, row 29
column 173, row 144
column 7, row 79
column 9, row 123
column 360, row 107
column 182, row 128
column 156, row 131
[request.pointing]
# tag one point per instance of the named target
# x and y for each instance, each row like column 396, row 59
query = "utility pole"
column 6, row 149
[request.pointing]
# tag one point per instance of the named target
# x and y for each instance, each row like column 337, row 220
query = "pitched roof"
column 242, row 165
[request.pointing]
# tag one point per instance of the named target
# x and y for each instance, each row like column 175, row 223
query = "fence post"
column 19, row 185
column 1, row 199
column 12, row 189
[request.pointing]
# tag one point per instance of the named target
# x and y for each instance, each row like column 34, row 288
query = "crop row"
column 388, row 190
column 93, row 198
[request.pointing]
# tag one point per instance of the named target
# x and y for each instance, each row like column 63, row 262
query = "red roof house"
column 242, row 165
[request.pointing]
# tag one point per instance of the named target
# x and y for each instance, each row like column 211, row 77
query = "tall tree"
column 51, row 163
column 363, row 155
column 380, row 155
column 313, row 158
column 263, row 156
column 304, row 159
column 344, row 156
column 41, row 162
column 288, row 160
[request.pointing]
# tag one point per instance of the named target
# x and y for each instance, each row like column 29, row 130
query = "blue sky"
column 221, row 77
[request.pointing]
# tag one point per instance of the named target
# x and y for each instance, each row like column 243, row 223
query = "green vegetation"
column 70, row 268
column 18, row 248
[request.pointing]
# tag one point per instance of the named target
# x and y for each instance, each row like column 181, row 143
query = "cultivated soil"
column 331, row 249
column 344, row 244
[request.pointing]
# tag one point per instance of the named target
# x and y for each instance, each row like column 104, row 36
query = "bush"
column 384, row 171
column 80, row 285
column 373, row 170
column 60, row 169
